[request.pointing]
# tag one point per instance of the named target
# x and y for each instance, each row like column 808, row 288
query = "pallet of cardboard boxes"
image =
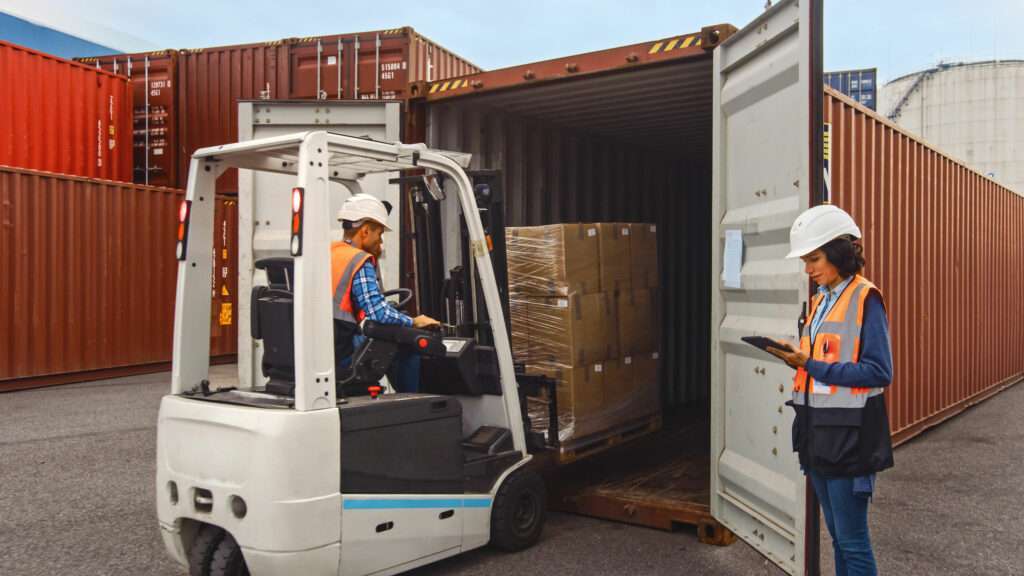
column 584, row 307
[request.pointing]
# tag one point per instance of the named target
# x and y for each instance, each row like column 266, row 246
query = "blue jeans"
column 846, row 515
column 405, row 370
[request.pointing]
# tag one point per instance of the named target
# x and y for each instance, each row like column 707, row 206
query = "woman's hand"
column 792, row 356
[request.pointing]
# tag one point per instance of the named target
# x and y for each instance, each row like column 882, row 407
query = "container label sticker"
column 563, row 303
column 628, row 360
column 158, row 151
column 224, row 290
column 592, row 232
column 332, row 60
column 654, row 228
column 654, row 356
column 625, row 231
column 598, row 368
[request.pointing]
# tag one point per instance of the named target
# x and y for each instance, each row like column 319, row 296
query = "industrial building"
column 973, row 111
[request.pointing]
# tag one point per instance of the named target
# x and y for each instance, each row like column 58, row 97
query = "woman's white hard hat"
column 360, row 207
column 818, row 226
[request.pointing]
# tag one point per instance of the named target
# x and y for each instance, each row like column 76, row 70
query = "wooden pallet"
column 662, row 482
column 598, row 443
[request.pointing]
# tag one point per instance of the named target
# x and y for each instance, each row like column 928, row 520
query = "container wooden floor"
column 660, row 480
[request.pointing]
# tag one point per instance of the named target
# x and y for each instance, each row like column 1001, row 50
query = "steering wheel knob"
column 374, row 391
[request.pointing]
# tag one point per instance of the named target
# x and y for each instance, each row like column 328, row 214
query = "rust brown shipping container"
column 154, row 78
column 209, row 83
column 943, row 243
column 62, row 116
column 89, row 278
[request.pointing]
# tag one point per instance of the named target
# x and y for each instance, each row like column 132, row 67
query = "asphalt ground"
column 77, row 497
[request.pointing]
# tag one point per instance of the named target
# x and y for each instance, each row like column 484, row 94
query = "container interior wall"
column 583, row 172
column 942, row 243
column 90, row 274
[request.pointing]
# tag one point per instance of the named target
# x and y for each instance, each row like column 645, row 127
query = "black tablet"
column 763, row 343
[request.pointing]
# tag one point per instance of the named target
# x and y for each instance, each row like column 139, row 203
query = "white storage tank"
column 972, row 111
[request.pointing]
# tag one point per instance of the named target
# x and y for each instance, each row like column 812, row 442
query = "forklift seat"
column 273, row 322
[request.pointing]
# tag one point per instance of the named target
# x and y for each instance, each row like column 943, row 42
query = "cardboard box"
column 554, row 260
column 618, row 386
column 519, row 312
column 572, row 331
column 581, row 399
column 646, row 395
column 614, row 256
column 643, row 255
column 639, row 321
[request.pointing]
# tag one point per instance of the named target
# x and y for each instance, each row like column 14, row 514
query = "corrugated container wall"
column 90, row 276
column 943, row 243
column 209, row 83
column 154, row 77
column 61, row 116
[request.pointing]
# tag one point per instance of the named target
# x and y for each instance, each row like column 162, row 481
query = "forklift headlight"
column 238, row 507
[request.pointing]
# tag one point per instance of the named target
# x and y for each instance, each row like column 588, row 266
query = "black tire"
column 520, row 507
column 228, row 560
column 200, row 555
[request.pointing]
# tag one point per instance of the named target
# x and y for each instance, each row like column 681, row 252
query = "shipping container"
column 206, row 84
column 941, row 242
column 154, row 78
column 90, row 275
column 61, row 116
column 860, row 85
column 714, row 144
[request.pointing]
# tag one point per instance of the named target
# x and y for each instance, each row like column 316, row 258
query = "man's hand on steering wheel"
column 424, row 322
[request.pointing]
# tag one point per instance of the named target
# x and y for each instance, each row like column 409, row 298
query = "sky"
column 896, row 36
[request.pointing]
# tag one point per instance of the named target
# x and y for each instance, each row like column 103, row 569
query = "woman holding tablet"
column 843, row 366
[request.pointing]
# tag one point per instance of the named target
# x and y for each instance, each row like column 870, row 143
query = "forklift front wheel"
column 519, row 511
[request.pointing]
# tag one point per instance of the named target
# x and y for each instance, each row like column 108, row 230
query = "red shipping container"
column 194, row 93
column 90, row 278
column 154, row 78
column 62, row 116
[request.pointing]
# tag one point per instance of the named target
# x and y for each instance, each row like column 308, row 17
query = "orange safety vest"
column 837, row 340
column 346, row 260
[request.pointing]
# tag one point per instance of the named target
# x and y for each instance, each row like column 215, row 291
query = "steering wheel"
column 404, row 297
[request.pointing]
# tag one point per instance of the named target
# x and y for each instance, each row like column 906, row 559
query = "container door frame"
column 761, row 182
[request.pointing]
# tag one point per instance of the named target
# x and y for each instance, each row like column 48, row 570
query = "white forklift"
column 310, row 470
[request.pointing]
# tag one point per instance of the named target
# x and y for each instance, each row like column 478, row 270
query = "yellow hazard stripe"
column 680, row 42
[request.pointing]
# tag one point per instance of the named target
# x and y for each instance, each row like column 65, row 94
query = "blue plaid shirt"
column 367, row 297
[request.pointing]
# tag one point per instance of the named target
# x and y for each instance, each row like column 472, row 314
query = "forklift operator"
column 357, row 286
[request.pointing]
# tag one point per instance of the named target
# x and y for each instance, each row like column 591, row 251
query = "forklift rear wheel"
column 228, row 560
column 519, row 509
column 200, row 555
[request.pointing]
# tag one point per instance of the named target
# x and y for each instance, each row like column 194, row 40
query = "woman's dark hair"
column 846, row 255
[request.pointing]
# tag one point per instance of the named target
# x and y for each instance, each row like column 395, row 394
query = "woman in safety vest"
column 843, row 366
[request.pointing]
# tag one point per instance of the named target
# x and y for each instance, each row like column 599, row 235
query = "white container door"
column 761, row 171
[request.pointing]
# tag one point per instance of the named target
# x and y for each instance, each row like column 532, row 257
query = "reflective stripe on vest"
column 346, row 260
column 837, row 340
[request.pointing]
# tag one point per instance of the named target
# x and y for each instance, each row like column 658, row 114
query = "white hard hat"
column 818, row 226
column 361, row 207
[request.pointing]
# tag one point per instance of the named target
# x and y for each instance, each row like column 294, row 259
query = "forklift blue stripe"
column 398, row 504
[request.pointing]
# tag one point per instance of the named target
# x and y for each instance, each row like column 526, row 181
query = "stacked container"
column 188, row 99
column 60, row 116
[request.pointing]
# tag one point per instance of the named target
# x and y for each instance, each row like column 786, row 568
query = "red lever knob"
column 374, row 391
column 422, row 343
